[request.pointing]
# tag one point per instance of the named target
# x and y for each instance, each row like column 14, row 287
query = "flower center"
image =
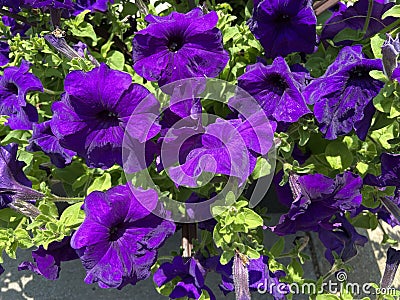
column 11, row 87
column 175, row 43
column 282, row 18
column 359, row 76
column 116, row 232
column 108, row 117
column 276, row 84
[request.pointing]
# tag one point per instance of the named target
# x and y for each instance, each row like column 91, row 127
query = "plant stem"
column 189, row 232
column 369, row 13
column 50, row 92
column 65, row 199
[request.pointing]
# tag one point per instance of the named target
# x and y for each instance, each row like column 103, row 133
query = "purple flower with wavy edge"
column 390, row 172
column 342, row 97
column 284, row 26
column 47, row 262
column 118, row 240
column 260, row 277
column 15, row 83
column 92, row 115
column 354, row 18
column 224, row 147
column 276, row 89
column 57, row 4
column 13, row 182
column 92, row 5
column 392, row 264
column 179, row 46
column 191, row 274
column 44, row 140
column 316, row 199
column 342, row 239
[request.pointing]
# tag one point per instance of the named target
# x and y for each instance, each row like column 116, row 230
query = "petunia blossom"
column 223, row 147
column 284, row 26
column 342, row 97
column 92, row 115
column 45, row 4
column 92, row 5
column 47, row 261
column 191, row 276
column 316, row 199
column 44, row 140
column 390, row 172
column 354, row 17
column 276, row 89
column 179, row 46
column 15, row 84
column 14, row 185
column 342, row 239
column 118, row 240
column 260, row 277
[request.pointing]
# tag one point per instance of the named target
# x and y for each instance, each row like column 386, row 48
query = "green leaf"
column 73, row 215
column 116, row 60
column 17, row 136
column 226, row 257
column 278, row 247
column 252, row 219
column 393, row 12
column 348, row 34
column 376, row 44
column 262, row 168
column 338, row 155
column 101, row 183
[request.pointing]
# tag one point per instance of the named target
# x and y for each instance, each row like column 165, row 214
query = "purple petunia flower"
column 316, row 199
column 354, row 18
column 342, row 239
column 392, row 264
column 259, row 275
column 191, row 274
column 92, row 5
column 47, row 262
column 224, row 147
column 118, row 240
column 15, row 83
column 276, row 89
column 284, row 26
column 93, row 113
column 342, row 97
column 179, row 46
column 13, row 182
column 57, row 4
column 390, row 172
column 44, row 140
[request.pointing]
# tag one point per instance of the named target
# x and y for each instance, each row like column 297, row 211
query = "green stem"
column 369, row 13
column 50, row 92
column 65, row 199
column 388, row 28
